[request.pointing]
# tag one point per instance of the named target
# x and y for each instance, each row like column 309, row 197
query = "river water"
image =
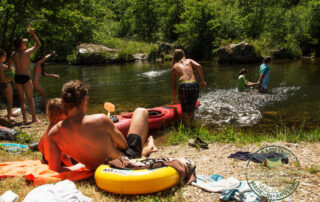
column 293, row 99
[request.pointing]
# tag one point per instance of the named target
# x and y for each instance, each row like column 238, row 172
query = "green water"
column 294, row 98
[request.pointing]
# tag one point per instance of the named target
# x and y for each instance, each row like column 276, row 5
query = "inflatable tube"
column 158, row 117
column 130, row 182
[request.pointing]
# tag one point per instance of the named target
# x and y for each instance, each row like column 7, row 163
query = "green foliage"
column 125, row 55
column 72, row 58
column 153, row 52
column 23, row 138
column 197, row 26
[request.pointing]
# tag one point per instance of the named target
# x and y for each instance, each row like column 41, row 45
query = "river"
column 293, row 99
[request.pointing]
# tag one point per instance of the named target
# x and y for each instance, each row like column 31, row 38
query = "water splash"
column 152, row 74
column 228, row 106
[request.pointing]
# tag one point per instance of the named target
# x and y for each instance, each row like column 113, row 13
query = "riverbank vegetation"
column 197, row 26
column 241, row 136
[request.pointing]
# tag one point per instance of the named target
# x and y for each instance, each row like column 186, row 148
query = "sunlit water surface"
column 293, row 98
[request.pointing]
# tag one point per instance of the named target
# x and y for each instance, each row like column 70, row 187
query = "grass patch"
column 129, row 47
column 23, row 138
column 182, row 134
column 314, row 169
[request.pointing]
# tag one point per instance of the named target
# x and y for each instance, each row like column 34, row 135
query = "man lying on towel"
column 92, row 140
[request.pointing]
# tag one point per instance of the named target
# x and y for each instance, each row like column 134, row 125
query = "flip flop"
column 197, row 142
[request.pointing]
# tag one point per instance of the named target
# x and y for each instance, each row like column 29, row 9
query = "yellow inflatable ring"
column 142, row 181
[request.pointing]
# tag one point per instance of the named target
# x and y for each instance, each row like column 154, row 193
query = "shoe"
column 197, row 142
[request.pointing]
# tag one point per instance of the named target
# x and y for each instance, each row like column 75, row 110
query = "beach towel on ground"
column 38, row 173
column 216, row 183
column 62, row 191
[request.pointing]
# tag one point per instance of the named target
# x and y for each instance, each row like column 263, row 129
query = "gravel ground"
column 214, row 161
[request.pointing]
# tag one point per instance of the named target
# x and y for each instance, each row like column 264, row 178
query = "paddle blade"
column 109, row 107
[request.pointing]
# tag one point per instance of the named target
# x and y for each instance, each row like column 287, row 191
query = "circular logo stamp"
column 277, row 177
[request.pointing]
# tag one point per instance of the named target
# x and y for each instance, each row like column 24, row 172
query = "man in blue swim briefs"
column 21, row 59
column 93, row 139
column 182, row 69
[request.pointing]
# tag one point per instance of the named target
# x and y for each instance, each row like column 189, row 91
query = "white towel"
column 9, row 196
column 64, row 191
column 217, row 186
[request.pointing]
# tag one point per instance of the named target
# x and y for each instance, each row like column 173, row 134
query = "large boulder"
column 238, row 53
column 88, row 54
column 281, row 53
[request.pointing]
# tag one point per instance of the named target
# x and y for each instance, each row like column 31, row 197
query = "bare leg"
column 41, row 91
column 150, row 148
column 191, row 117
column 8, row 94
column 22, row 100
column 29, row 94
column 139, row 124
column 186, row 118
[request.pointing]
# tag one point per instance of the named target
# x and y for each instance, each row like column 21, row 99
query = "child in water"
column 55, row 114
column 264, row 72
column 5, row 85
column 38, row 72
column 242, row 83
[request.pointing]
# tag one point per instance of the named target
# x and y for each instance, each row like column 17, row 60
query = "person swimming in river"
column 21, row 59
column 38, row 72
column 242, row 83
column 188, row 88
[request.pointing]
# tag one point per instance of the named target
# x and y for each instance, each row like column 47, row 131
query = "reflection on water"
column 228, row 106
column 293, row 99
column 151, row 74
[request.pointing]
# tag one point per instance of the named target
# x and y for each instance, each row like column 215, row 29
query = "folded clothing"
column 186, row 168
column 258, row 157
column 38, row 173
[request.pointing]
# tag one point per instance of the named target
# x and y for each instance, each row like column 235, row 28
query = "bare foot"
column 25, row 120
column 35, row 121
column 150, row 148
column 11, row 118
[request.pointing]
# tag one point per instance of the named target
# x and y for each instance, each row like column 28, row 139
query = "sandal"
column 197, row 142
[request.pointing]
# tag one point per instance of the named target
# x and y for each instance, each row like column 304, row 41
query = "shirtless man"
column 5, row 84
column 182, row 69
column 93, row 139
column 21, row 59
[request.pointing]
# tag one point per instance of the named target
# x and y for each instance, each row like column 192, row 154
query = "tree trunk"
column 5, row 27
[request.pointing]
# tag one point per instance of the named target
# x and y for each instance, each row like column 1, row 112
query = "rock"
column 165, row 47
column 281, row 53
column 88, row 54
column 140, row 56
column 238, row 53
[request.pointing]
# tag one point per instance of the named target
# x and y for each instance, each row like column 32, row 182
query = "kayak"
column 158, row 117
